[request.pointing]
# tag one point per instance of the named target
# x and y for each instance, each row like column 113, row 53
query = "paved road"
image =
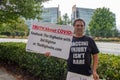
column 104, row 47
column 110, row 48
column 12, row 40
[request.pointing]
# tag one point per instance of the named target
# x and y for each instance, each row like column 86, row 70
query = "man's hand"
column 47, row 54
column 95, row 76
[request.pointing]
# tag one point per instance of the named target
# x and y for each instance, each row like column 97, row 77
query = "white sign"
column 75, row 76
column 47, row 37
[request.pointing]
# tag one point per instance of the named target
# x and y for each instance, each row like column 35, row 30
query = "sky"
column 65, row 6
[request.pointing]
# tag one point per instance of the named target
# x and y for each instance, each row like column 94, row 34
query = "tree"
column 102, row 23
column 64, row 20
column 60, row 21
column 12, row 9
column 5, row 30
column 14, row 28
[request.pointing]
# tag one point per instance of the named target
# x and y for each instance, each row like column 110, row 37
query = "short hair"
column 78, row 20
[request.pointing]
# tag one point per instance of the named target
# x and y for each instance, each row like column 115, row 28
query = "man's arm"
column 95, row 64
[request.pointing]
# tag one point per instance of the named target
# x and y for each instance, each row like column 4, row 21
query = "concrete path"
column 5, row 76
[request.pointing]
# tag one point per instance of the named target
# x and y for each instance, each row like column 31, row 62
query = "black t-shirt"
column 79, row 60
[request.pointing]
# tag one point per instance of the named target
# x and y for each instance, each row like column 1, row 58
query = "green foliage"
column 64, row 20
column 100, row 39
column 109, row 67
column 52, row 68
column 103, row 23
column 15, row 28
column 3, row 36
column 46, row 68
column 12, row 9
column 60, row 21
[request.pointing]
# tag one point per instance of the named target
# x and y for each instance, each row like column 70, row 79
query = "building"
column 50, row 14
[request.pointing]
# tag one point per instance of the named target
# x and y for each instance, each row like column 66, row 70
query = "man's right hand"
column 47, row 54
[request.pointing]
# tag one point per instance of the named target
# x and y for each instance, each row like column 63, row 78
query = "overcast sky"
column 66, row 6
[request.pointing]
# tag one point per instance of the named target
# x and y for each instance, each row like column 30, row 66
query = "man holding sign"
column 55, row 39
column 83, row 47
column 81, row 51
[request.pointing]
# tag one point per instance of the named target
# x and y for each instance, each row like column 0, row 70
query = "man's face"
column 79, row 27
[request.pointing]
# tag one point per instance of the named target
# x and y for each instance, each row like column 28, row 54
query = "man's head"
column 79, row 26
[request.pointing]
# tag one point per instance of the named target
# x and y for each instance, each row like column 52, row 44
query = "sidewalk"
column 5, row 76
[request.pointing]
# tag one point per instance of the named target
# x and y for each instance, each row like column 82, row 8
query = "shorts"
column 75, row 76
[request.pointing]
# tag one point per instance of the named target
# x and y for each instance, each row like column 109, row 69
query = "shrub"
column 52, row 68
column 109, row 67
column 46, row 68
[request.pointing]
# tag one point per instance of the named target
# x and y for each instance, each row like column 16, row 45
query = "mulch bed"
column 18, row 73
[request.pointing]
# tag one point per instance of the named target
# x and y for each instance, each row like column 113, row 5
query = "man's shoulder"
column 89, row 37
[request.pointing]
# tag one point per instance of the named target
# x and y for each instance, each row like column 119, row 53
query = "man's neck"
column 78, row 35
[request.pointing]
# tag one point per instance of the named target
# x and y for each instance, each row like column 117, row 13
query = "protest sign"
column 47, row 37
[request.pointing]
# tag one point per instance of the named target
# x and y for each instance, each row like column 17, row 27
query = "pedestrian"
column 83, row 52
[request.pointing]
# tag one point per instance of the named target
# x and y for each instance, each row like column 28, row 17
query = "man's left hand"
column 95, row 76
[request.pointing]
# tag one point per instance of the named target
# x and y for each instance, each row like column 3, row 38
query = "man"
column 83, row 47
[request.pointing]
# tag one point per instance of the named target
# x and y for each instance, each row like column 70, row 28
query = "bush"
column 112, row 39
column 109, row 67
column 51, row 68
column 46, row 68
column 5, row 33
